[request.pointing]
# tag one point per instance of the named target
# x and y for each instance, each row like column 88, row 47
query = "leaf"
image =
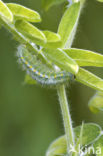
column 31, row 32
column 46, row 4
column 18, row 36
column 89, row 79
column 29, row 80
column 61, row 59
column 59, row 146
column 96, row 102
column 68, row 24
column 85, row 57
column 100, row 0
column 5, row 13
column 45, row 38
column 53, row 39
column 98, row 146
column 21, row 12
column 91, row 132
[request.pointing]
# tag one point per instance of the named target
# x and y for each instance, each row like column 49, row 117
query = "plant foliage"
column 54, row 49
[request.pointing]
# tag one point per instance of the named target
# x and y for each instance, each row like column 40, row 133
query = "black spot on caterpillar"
column 39, row 71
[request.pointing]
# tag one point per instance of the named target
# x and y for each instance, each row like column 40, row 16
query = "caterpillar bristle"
column 39, row 71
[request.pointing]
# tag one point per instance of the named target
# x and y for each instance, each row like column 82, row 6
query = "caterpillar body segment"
column 39, row 71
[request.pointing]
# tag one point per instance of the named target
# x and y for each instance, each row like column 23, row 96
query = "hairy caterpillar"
column 39, row 71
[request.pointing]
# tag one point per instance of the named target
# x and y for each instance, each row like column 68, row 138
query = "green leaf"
column 47, row 39
column 91, row 132
column 21, row 12
column 85, row 57
column 100, row 0
column 16, row 35
column 53, row 39
column 61, row 59
column 96, row 102
column 5, row 13
column 59, row 146
column 46, row 4
column 89, row 79
column 29, row 80
column 98, row 146
column 68, row 24
column 31, row 32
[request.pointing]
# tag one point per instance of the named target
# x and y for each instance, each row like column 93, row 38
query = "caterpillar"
column 39, row 71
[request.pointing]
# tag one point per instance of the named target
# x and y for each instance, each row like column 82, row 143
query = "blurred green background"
column 30, row 116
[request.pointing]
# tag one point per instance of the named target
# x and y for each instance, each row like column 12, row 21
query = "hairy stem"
column 66, row 117
column 63, row 98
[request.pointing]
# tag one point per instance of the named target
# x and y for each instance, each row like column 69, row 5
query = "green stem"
column 23, row 40
column 66, row 117
column 63, row 99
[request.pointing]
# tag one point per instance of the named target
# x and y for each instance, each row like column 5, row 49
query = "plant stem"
column 66, row 117
column 63, row 99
